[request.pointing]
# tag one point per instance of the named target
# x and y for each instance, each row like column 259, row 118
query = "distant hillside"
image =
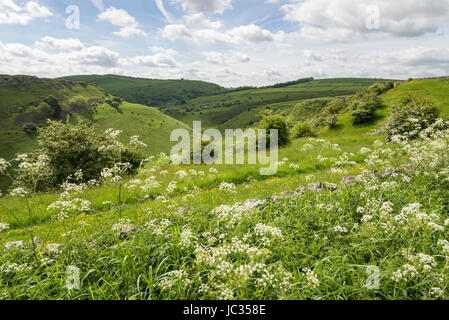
column 20, row 95
column 155, row 93
column 239, row 109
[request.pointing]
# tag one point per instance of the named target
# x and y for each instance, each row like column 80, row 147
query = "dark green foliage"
column 67, row 148
column 364, row 107
column 275, row 122
column 412, row 116
column 29, row 128
column 379, row 88
column 53, row 102
column 79, row 103
column 303, row 130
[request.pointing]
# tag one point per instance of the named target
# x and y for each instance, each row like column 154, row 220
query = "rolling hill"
column 19, row 96
column 238, row 109
column 150, row 92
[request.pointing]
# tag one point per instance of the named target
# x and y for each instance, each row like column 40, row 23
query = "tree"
column 275, row 122
column 79, row 103
column 53, row 102
column 364, row 107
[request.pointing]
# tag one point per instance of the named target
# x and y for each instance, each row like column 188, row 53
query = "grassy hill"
column 203, row 232
column 20, row 96
column 150, row 92
column 437, row 89
column 238, row 109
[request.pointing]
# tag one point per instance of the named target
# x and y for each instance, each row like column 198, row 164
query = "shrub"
column 303, row 130
column 379, row 88
column 53, row 102
column 407, row 120
column 79, row 103
column 29, row 128
column 363, row 108
column 69, row 148
column 40, row 113
column 275, row 122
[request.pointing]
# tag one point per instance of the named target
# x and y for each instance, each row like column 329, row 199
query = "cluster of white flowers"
column 65, row 208
column 4, row 165
column 4, row 227
column 16, row 268
column 186, row 238
column 171, row 187
column 172, row 278
column 123, row 226
column 339, row 229
column 311, row 278
column 227, row 186
column 115, row 173
column 182, row 174
column 262, row 230
column 134, row 141
column 19, row 192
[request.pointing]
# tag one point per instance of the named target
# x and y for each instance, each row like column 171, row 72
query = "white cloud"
column 344, row 20
column 98, row 4
column 220, row 58
column 200, row 20
column 250, row 34
column 127, row 23
column 60, row 44
column 11, row 13
column 206, row 6
column 167, row 15
column 162, row 58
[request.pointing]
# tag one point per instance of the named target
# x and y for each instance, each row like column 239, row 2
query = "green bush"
column 275, row 122
column 69, row 148
column 79, row 102
column 303, row 130
column 364, row 107
column 407, row 120
column 29, row 128
column 42, row 112
column 53, row 102
column 379, row 88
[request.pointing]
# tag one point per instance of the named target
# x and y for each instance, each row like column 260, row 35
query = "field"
column 239, row 109
column 346, row 216
column 154, row 93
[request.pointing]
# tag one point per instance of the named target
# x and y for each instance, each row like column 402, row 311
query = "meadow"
column 347, row 216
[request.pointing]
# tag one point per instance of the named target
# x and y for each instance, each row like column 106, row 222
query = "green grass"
column 141, row 265
column 150, row 92
column 436, row 89
column 153, row 127
column 310, row 246
column 238, row 109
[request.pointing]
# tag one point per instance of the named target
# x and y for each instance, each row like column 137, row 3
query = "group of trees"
column 407, row 119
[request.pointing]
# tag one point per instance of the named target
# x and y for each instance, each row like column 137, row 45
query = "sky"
column 228, row 42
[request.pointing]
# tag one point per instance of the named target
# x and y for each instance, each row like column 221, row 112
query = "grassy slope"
column 153, row 127
column 14, row 100
column 238, row 109
column 437, row 89
column 157, row 93
column 344, row 256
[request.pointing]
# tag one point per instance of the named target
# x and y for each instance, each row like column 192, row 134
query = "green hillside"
column 238, row 109
column 20, row 95
column 150, row 92
column 437, row 89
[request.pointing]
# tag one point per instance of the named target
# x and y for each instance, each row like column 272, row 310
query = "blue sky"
column 246, row 42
